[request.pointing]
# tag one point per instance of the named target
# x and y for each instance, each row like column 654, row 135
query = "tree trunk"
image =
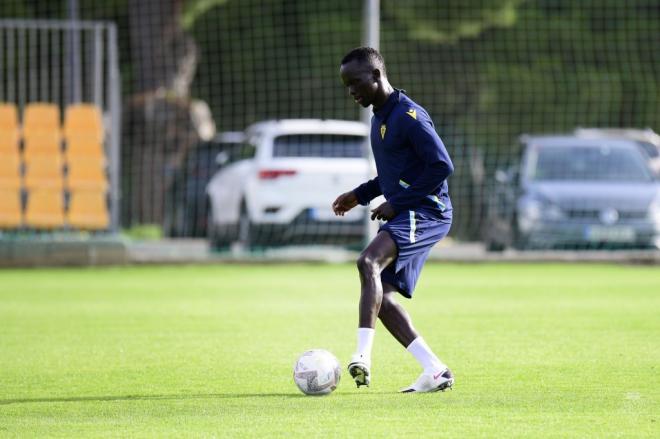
column 157, row 119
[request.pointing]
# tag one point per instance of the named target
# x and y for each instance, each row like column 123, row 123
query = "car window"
column 319, row 145
column 587, row 163
column 650, row 149
column 239, row 151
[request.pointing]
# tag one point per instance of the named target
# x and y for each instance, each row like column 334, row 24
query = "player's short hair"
column 366, row 54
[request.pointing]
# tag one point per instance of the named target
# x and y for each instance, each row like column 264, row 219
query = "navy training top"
column 411, row 161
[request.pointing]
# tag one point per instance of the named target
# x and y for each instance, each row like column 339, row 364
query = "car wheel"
column 213, row 234
column 520, row 241
column 246, row 230
column 219, row 237
column 494, row 246
column 491, row 235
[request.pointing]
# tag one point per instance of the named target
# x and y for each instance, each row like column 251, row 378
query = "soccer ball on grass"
column 317, row 372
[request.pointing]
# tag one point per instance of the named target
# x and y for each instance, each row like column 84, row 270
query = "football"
column 317, row 372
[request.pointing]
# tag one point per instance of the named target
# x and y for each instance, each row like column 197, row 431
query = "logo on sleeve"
column 412, row 113
column 383, row 128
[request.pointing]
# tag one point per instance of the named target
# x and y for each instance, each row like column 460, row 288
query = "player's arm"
column 368, row 191
column 432, row 151
column 360, row 195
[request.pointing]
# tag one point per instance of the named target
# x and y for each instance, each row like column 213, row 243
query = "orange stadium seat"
column 86, row 174
column 44, row 172
column 41, row 119
column 9, row 129
column 9, row 141
column 83, row 120
column 88, row 210
column 84, row 147
column 10, row 171
column 45, row 209
column 8, row 116
column 11, row 215
column 42, row 144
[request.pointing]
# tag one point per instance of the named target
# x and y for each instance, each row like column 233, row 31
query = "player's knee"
column 366, row 264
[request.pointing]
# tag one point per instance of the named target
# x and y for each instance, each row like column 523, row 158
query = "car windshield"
column 319, row 145
column 649, row 149
column 587, row 163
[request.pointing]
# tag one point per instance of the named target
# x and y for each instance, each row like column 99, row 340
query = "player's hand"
column 383, row 212
column 344, row 203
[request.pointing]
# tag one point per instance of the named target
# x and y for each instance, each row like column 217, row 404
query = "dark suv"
column 186, row 204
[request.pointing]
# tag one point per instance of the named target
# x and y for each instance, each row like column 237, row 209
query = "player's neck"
column 386, row 91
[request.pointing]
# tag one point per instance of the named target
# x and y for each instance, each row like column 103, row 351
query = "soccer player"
column 412, row 165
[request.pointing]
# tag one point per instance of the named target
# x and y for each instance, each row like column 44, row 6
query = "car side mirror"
column 222, row 158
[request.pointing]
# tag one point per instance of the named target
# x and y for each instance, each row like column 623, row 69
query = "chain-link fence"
column 199, row 77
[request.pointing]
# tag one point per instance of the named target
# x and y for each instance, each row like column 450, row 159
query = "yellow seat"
column 83, row 120
column 9, row 129
column 86, row 174
column 84, row 147
column 8, row 141
column 10, row 171
column 11, row 215
column 41, row 119
column 45, row 209
column 42, row 143
column 8, row 116
column 44, row 172
column 88, row 210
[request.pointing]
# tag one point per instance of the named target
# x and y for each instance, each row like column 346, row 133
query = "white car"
column 281, row 188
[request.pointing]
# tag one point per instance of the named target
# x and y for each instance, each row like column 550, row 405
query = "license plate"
column 611, row 234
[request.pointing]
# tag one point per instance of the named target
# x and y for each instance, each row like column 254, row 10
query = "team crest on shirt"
column 383, row 128
column 412, row 113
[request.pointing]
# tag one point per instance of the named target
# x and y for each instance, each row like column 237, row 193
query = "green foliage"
column 488, row 70
column 457, row 19
column 194, row 9
column 275, row 59
column 148, row 232
column 554, row 66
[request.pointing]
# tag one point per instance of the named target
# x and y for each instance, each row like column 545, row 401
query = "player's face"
column 361, row 81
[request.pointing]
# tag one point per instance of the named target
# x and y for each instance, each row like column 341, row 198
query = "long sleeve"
column 368, row 191
column 430, row 180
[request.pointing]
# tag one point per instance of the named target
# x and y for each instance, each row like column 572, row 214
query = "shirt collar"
column 391, row 101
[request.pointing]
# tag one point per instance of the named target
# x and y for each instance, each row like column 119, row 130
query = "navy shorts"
column 414, row 232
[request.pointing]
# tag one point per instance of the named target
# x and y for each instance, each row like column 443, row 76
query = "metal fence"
column 66, row 62
column 488, row 72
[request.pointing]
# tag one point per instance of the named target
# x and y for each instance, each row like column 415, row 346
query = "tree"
column 158, row 118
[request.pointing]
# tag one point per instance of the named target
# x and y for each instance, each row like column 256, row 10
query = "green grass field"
column 207, row 351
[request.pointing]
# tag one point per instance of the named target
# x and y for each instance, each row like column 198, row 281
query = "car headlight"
column 552, row 212
column 654, row 210
column 532, row 210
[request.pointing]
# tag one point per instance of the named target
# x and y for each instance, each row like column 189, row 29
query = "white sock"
column 425, row 356
column 365, row 340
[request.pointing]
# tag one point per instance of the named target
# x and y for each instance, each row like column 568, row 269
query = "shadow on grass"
column 148, row 397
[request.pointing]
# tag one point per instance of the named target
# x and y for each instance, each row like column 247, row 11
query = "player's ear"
column 375, row 73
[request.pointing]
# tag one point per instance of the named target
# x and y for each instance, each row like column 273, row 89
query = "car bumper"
column 563, row 234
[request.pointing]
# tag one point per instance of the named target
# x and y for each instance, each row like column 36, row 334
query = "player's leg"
column 395, row 319
column 380, row 253
column 436, row 375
